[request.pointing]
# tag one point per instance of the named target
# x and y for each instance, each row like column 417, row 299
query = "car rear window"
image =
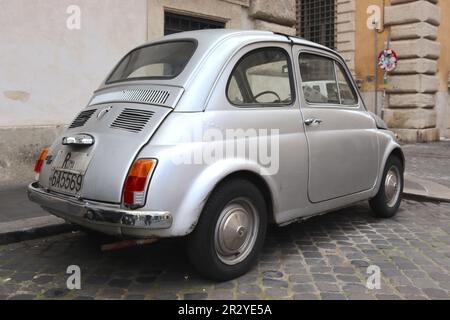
column 164, row 60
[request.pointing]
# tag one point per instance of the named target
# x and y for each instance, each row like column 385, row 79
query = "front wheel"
column 389, row 196
column 230, row 233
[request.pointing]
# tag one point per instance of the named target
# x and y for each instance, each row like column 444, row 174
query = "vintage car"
column 212, row 135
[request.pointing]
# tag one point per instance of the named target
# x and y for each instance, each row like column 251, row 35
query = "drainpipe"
column 376, row 69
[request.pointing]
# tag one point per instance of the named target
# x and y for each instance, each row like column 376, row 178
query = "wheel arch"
column 392, row 148
column 190, row 208
column 258, row 181
column 397, row 151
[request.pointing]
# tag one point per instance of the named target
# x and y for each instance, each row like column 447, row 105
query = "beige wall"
column 364, row 38
column 365, row 45
column 443, row 96
column 444, row 39
column 48, row 72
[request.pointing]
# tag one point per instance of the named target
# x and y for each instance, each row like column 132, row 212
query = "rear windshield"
column 158, row 61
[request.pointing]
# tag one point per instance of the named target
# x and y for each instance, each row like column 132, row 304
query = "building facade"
column 414, row 98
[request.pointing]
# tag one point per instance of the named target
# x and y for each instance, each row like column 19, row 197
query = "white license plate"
column 68, row 171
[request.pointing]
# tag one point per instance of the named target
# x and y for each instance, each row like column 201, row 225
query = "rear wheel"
column 230, row 233
column 388, row 199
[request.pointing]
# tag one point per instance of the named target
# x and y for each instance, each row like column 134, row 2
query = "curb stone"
column 32, row 228
column 425, row 190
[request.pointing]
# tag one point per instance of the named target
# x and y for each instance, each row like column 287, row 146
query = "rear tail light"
column 40, row 160
column 137, row 181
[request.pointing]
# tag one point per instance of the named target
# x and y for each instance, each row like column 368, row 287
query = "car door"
column 342, row 143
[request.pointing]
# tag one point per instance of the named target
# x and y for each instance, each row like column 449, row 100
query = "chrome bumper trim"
column 90, row 213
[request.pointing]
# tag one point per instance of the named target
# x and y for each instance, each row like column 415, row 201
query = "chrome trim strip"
column 79, row 139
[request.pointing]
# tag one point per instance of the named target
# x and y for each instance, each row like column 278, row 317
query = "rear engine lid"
column 100, row 145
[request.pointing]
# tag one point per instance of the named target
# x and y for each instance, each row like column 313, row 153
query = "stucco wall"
column 48, row 72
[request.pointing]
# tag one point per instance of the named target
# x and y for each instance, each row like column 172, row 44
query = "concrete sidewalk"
column 428, row 171
column 427, row 177
column 21, row 219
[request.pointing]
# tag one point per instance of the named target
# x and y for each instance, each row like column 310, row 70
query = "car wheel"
column 230, row 233
column 388, row 199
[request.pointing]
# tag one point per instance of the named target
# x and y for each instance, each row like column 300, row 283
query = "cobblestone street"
column 323, row 258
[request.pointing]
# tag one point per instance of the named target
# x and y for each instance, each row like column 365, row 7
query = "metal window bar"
column 174, row 23
column 316, row 21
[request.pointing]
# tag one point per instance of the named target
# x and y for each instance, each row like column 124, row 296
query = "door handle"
column 313, row 122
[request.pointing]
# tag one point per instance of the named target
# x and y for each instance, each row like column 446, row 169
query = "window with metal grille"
column 174, row 23
column 316, row 21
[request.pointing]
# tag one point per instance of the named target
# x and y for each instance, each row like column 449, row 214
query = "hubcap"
column 392, row 186
column 236, row 231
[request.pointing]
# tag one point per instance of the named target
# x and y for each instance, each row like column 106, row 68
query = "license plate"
column 68, row 171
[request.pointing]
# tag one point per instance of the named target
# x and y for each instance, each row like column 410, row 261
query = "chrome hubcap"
column 392, row 186
column 236, row 231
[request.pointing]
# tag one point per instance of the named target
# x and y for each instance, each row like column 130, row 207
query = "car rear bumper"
column 102, row 217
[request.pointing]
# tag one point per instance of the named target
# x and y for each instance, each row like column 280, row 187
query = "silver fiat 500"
column 211, row 135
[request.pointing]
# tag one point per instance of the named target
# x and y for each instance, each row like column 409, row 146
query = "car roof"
column 213, row 35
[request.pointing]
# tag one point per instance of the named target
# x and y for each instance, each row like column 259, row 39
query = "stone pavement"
column 325, row 257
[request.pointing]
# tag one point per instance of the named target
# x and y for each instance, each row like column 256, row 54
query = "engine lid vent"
column 153, row 96
column 82, row 118
column 133, row 120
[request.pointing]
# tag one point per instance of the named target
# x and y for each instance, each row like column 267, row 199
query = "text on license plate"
column 68, row 171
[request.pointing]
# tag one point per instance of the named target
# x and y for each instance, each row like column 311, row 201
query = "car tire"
column 230, row 232
column 387, row 201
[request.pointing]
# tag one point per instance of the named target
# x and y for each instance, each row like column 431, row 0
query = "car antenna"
column 285, row 35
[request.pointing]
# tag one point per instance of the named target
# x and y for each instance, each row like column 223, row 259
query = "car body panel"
column 345, row 139
column 194, row 182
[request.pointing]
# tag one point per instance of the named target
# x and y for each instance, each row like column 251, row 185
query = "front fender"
column 388, row 145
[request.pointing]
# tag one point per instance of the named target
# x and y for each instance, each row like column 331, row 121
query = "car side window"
column 234, row 93
column 318, row 79
column 346, row 90
column 261, row 77
column 324, row 81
